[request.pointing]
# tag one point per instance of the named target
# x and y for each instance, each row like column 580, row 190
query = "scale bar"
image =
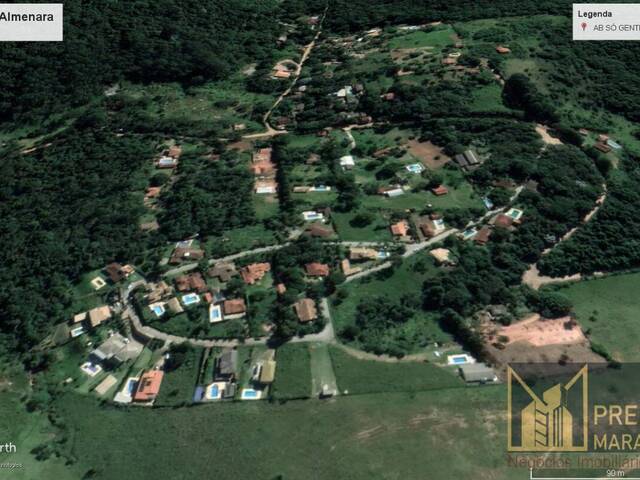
column 531, row 477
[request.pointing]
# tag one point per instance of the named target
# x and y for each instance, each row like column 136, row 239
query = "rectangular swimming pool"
column 190, row 299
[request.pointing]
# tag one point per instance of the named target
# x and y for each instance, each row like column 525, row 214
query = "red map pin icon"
column 584, row 26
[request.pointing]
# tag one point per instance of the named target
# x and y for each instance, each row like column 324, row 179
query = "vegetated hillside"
column 65, row 209
column 353, row 15
column 610, row 241
column 187, row 41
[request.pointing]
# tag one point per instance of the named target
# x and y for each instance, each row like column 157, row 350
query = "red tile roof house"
column 148, row 386
column 316, row 269
column 254, row 272
column 262, row 165
column 234, row 308
column 117, row 272
column 428, row 230
column 482, row 237
column 440, row 190
column 400, row 229
column 186, row 254
column 503, row 221
column 193, row 281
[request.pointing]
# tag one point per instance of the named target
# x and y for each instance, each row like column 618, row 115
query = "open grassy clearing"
column 456, row 432
column 293, row 376
column 488, row 99
column 240, row 239
column 27, row 431
column 405, row 280
column 440, row 37
column 221, row 103
column 357, row 376
column 608, row 309
column 322, row 374
column 376, row 231
column 178, row 385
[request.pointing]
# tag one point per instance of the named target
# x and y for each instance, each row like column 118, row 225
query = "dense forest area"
column 65, row 209
column 352, row 15
column 610, row 242
column 185, row 41
column 208, row 197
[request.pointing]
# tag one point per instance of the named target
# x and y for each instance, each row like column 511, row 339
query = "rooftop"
column 306, row 310
column 148, row 386
column 316, row 269
column 234, row 306
column 400, row 229
column 254, row 272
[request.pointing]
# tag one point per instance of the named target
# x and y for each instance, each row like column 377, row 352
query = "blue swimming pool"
column 215, row 314
column 250, row 393
column 190, row 298
column 158, row 310
column 131, row 386
column 214, row 392
column 458, row 360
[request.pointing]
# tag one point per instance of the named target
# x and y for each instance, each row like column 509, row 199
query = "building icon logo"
column 557, row 422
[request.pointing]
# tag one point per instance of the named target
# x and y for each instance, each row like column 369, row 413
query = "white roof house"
column 347, row 162
column 394, row 192
column 312, row 215
column 343, row 92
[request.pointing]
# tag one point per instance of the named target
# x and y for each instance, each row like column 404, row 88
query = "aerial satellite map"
column 319, row 239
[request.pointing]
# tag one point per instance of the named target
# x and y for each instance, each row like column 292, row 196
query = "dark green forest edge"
column 76, row 162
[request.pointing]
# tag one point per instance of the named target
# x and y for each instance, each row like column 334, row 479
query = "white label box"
column 31, row 22
column 606, row 21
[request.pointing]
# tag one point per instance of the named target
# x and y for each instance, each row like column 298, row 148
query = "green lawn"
column 419, row 331
column 456, row 433
column 293, row 374
column 240, row 239
column 609, row 308
column 27, row 431
column 178, row 385
column 357, row 376
column 461, row 197
column 488, row 99
column 405, row 279
column 321, row 369
column 222, row 103
column 266, row 206
column 438, row 38
column 376, row 231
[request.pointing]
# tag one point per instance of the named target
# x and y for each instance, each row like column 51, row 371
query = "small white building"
column 311, row 216
column 347, row 162
column 394, row 192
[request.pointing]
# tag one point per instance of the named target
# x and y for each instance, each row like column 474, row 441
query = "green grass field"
column 293, row 374
column 609, row 309
column 438, row 38
column 418, row 332
column 178, row 385
column 357, row 376
column 321, row 369
column 488, row 99
column 27, row 431
column 376, row 231
column 456, row 433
